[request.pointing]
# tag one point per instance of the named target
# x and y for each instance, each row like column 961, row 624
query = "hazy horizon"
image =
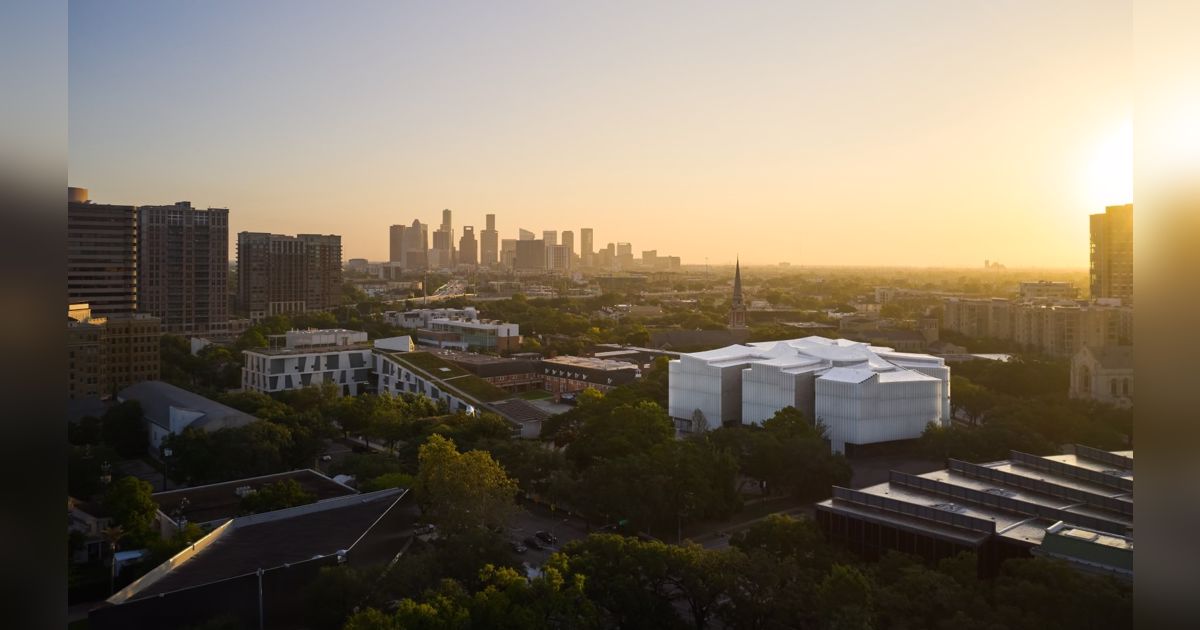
column 922, row 135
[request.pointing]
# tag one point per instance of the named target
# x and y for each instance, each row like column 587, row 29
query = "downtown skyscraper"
column 489, row 243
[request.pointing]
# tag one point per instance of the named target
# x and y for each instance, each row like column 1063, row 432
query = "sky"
column 921, row 133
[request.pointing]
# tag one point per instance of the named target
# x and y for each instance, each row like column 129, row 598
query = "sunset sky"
column 859, row 133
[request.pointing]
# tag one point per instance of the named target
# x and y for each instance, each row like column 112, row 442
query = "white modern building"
column 863, row 394
column 421, row 317
column 399, row 374
column 302, row 358
column 458, row 329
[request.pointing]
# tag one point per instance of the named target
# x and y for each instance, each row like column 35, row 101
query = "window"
column 1113, row 386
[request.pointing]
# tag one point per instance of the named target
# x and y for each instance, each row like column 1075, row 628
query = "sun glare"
column 1108, row 178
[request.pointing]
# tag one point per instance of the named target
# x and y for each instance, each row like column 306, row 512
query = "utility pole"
column 259, row 573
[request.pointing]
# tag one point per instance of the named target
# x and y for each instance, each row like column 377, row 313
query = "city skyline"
column 925, row 137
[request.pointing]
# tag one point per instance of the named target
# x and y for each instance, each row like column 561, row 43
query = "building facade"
column 1047, row 290
column 102, row 251
column 304, row 358
column 468, row 247
column 567, row 374
column 530, row 255
column 1103, row 374
column 1111, row 257
column 183, row 267
column 489, row 243
column 862, row 394
column 1007, row 509
column 280, row 274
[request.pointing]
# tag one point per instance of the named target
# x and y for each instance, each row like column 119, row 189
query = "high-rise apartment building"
column 550, row 237
column 524, row 235
column 101, row 255
column 396, row 244
column 280, row 274
column 183, row 267
column 585, row 247
column 1111, row 268
column 468, row 248
column 530, row 255
column 323, row 270
column 489, row 241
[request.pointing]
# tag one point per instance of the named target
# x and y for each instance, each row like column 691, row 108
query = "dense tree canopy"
column 462, row 492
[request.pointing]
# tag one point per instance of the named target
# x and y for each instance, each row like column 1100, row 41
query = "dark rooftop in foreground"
column 273, row 539
column 220, row 500
column 520, row 411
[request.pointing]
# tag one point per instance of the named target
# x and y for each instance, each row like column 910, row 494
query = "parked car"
column 547, row 537
column 421, row 530
column 532, row 543
column 518, row 547
column 327, row 458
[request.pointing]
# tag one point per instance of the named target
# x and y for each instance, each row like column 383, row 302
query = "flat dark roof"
column 284, row 539
column 520, row 411
column 220, row 500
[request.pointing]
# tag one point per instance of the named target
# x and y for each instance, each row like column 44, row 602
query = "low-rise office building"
column 862, row 394
column 303, row 358
column 1006, row 509
column 567, row 374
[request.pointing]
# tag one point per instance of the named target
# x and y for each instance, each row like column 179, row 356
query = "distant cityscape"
column 523, row 331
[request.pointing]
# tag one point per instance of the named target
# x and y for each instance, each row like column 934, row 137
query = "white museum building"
column 862, row 394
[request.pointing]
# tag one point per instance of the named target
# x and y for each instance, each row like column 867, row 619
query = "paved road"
column 719, row 538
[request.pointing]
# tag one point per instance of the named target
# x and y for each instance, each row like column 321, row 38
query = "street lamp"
column 166, row 454
column 259, row 573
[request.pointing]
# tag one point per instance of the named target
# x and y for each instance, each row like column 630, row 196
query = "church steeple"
column 737, row 312
column 737, row 282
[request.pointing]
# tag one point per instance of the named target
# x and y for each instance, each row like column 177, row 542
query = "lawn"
column 431, row 364
column 452, row 375
column 534, row 394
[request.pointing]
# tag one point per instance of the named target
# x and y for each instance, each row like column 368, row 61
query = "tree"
column 845, row 599
column 388, row 480
column 88, row 430
column 625, row 430
column 124, row 429
column 129, row 502
column 461, row 492
column 276, row 496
